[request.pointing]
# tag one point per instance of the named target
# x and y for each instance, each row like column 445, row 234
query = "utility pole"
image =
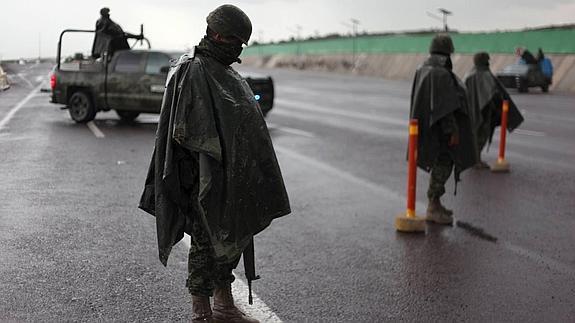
column 443, row 18
column 297, row 38
column 353, row 26
column 39, row 47
column 445, row 13
column 260, row 41
column 354, row 23
column 298, row 30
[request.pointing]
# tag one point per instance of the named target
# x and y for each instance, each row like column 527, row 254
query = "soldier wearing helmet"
column 445, row 143
column 214, row 173
column 485, row 95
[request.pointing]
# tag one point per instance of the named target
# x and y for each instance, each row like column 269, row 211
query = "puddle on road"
column 475, row 231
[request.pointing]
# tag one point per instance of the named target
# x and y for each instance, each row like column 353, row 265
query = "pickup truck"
column 130, row 82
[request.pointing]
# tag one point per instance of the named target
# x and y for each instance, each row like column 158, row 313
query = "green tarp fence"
column 558, row 41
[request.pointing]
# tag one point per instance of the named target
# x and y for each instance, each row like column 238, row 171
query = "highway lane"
column 75, row 244
column 542, row 152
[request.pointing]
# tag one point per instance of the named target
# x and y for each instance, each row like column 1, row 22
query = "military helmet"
column 481, row 59
column 228, row 20
column 105, row 11
column 441, row 44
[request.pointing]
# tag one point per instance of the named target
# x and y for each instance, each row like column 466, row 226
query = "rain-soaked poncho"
column 437, row 93
column 484, row 91
column 109, row 37
column 213, row 159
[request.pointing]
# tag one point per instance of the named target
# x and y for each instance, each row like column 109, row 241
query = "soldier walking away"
column 485, row 95
column 213, row 173
column 109, row 37
column 445, row 142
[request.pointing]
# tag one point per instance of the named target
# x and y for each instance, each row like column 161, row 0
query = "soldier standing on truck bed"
column 214, row 173
column 110, row 37
column 445, row 141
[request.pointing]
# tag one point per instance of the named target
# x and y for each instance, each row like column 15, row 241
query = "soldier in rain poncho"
column 485, row 95
column 214, row 173
column 445, row 142
column 110, row 37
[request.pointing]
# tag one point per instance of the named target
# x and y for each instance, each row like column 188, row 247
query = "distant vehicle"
column 523, row 76
column 130, row 82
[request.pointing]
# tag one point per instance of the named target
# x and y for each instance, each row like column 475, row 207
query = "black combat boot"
column 225, row 310
column 437, row 213
column 202, row 312
column 481, row 165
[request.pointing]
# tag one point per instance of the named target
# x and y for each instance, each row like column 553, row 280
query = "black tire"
column 127, row 116
column 522, row 86
column 81, row 107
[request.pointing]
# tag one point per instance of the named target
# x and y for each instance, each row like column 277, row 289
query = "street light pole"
column 445, row 13
column 260, row 41
column 354, row 24
column 297, row 39
column 443, row 18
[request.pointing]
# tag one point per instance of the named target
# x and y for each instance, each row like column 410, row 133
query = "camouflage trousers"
column 440, row 172
column 204, row 272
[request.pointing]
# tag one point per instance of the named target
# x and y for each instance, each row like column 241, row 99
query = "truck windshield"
column 155, row 63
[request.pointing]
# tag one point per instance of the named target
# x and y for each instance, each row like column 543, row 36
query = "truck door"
column 154, row 80
column 124, row 91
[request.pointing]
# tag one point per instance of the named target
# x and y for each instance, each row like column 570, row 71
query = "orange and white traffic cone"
column 408, row 221
column 502, row 166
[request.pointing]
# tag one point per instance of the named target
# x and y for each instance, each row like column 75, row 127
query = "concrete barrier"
column 3, row 80
column 403, row 66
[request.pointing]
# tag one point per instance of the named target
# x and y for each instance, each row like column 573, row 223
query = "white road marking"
column 18, row 106
column 95, row 130
column 14, row 138
column 291, row 130
column 25, row 80
column 379, row 189
column 349, row 124
column 259, row 310
column 39, row 79
column 529, row 133
column 301, row 105
column 540, row 259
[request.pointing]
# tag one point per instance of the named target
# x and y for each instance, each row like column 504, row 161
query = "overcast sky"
column 28, row 27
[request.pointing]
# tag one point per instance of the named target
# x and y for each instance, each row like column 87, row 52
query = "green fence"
column 558, row 41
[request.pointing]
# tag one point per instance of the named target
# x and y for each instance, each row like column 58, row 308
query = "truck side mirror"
column 164, row 69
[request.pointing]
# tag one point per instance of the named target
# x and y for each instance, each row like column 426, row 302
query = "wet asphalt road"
column 75, row 247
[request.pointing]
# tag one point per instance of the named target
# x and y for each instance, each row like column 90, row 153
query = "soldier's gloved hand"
column 454, row 140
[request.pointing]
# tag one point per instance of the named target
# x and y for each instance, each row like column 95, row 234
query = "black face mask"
column 225, row 53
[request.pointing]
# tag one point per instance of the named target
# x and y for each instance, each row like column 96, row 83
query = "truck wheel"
column 127, row 116
column 81, row 107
